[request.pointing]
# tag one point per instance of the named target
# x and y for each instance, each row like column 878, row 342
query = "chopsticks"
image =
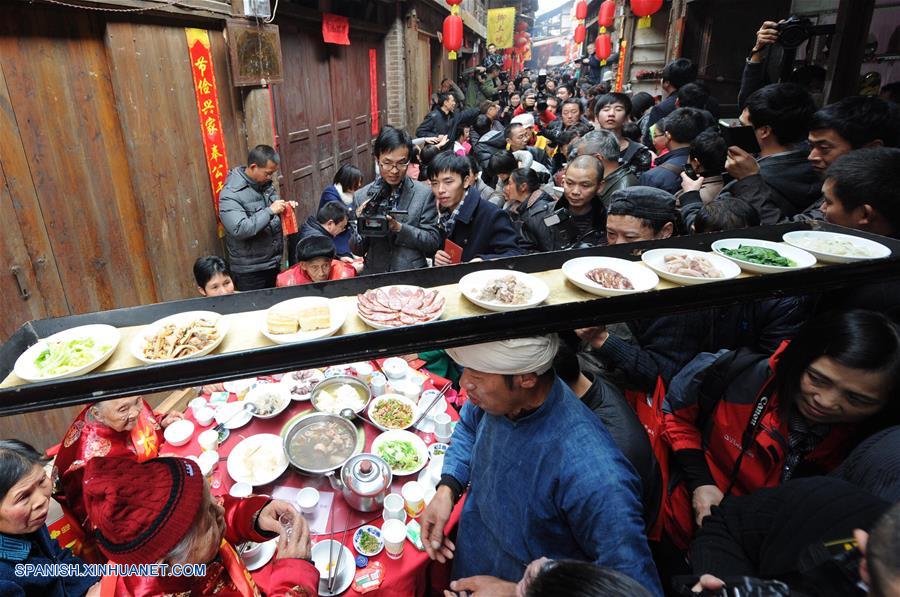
column 430, row 406
column 331, row 547
column 337, row 567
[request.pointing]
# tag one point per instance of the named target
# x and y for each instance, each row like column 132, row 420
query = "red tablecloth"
column 412, row 574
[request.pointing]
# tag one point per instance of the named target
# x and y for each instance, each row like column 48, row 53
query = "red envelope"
column 453, row 250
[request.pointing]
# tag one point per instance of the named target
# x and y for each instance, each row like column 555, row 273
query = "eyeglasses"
column 394, row 166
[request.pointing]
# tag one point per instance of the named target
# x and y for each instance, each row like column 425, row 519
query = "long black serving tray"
column 439, row 334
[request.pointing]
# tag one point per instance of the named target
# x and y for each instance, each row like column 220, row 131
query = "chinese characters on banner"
column 620, row 71
column 335, row 29
column 208, row 112
column 373, row 89
column 501, row 22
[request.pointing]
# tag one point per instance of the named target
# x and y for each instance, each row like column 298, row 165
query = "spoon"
column 248, row 407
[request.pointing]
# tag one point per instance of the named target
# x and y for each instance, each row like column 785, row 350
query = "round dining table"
column 413, row 574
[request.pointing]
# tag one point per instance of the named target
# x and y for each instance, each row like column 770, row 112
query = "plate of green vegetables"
column 72, row 352
column 762, row 256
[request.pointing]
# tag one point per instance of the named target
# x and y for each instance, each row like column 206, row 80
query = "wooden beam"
column 847, row 46
column 189, row 9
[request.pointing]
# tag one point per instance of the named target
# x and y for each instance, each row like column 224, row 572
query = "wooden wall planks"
column 59, row 86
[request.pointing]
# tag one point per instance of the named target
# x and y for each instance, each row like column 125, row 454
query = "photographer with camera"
column 482, row 85
column 397, row 224
column 578, row 219
column 571, row 120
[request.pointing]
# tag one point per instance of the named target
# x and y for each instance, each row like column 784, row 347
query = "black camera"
column 373, row 221
column 541, row 103
column 561, row 220
column 794, row 31
column 741, row 586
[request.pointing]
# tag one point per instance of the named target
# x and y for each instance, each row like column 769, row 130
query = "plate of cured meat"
column 397, row 306
column 608, row 276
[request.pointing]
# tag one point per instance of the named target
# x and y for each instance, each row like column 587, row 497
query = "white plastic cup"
column 308, row 500
column 378, row 383
column 198, row 402
column 395, row 368
column 394, row 507
column 435, row 467
column 394, row 534
column 442, row 428
column 208, row 440
column 414, row 498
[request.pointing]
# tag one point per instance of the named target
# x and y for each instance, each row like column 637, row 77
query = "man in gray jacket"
column 250, row 210
column 408, row 205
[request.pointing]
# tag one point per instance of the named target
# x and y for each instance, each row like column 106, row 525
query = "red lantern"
column 581, row 10
column 645, row 8
column 522, row 26
column 607, row 15
column 453, row 2
column 521, row 41
column 603, row 46
column 453, row 35
column 579, row 33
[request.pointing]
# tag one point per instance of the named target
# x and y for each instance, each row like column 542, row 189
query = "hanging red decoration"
column 645, row 8
column 454, row 2
column 521, row 41
column 603, row 46
column 607, row 15
column 581, row 10
column 522, row 26
column 453, row 35
column 579, row 33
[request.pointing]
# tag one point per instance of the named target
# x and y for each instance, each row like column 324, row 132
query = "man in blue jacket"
column 544, row 476
column 480, row 228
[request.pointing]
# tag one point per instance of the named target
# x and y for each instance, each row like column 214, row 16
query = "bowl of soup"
column 318, row 443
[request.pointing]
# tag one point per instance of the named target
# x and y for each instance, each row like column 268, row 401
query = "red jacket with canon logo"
column 705, row 429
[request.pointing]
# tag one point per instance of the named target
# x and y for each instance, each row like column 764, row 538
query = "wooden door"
column 30, row 287
column 59, row 89
column 322, row 111
column 303, row 106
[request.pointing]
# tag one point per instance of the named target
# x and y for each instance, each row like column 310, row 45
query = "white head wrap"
column 525, row 119
column 509, row 357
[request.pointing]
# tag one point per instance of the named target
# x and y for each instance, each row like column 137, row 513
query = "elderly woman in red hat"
column 161, row 511
column 123, row 427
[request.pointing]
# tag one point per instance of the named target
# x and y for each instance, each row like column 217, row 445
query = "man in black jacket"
column 445, row 119
column 676, row 74
column 250, row 211
column 780, row 115
column 682, row 127
column 578, row 219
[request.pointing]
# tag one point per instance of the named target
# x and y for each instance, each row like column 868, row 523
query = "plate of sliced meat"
column 689, row 267
column 608, row 276
column 397, row 306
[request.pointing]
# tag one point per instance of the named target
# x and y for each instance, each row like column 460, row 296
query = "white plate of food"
column 398, row 306
column 180, row 336
column 257, row 460
column 334, row 394
column 71, row 352
column 393, row 411
column 503, row 290
column 833, row 247
column 689, row 267
column 762, row 256
column 367, row 540
column 300, row 384
column 302, row 319
column 403, row 451
column 270, row 399
column 232, row 415
column 609, row 276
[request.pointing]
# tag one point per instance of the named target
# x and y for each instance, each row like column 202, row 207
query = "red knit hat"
column 141, row 511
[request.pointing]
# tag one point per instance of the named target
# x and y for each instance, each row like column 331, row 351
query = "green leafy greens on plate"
column 760, row 255
column 61, row 357
column 399, row 454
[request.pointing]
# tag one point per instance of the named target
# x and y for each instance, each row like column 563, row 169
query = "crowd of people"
column 775, row 465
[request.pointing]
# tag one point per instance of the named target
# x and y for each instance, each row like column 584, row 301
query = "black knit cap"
column 315, row 246
column 646, row 203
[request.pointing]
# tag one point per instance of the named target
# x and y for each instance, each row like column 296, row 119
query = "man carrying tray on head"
column 545, row 477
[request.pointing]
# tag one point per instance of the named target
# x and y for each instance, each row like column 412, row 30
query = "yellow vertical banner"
column 501, row 24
